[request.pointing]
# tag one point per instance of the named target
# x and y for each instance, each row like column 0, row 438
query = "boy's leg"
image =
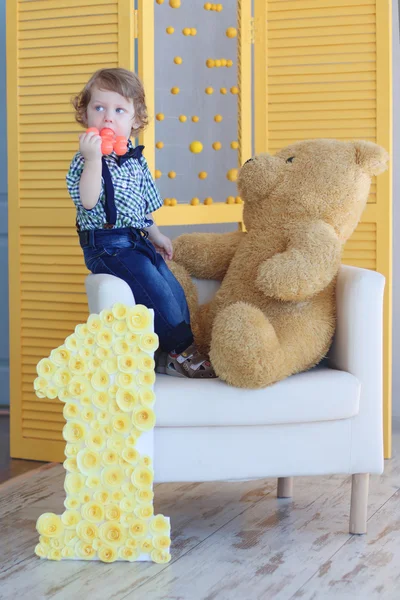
column 175, row 286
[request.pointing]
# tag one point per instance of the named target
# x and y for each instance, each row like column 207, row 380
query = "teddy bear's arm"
column 207, row 255
column 308, row 265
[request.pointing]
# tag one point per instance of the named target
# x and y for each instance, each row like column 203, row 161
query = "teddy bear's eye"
column 290, row 160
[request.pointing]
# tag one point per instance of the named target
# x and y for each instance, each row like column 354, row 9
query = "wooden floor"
column 231, row 541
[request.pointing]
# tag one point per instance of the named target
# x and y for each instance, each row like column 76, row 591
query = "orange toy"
column 110, row 141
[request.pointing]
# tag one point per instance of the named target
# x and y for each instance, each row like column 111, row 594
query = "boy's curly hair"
column 122, row 81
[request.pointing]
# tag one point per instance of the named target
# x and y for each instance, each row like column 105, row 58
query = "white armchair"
column 326, row 420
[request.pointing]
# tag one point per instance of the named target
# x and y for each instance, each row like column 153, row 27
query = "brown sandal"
column 189, row 363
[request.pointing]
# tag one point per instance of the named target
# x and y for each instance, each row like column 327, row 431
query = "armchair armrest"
column 357, row 348
column 105, row 290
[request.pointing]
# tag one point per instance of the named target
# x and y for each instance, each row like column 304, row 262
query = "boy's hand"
column 90, row 146
column 163, row 245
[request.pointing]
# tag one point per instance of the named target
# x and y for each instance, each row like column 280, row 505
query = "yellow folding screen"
column 323, row 69
column 318, row 73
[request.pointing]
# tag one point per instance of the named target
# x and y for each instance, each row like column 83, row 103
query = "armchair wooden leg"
column 285, row 487
column 359, row 503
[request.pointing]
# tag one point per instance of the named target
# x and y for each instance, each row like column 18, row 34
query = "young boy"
column 114, row 198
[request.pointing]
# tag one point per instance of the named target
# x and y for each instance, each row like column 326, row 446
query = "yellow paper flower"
column 112, row 512
column 74, row 483
column 72, row 502
column 81, row 331
column 159, row 525
column 127, row 399
column 142, row 477
column 70, row 464
column 119, row 327
column 78, row 386
column 114, row 408
column 146, row 379
column 119, row 311
column 116, row 496
column 45, row 541
column 125, row 380
column 160, row 556
column 94, row 363
column 72, row 449
column 95, row 441
column 144, row 419
column 107, row 554
column 112, row 477
column 112, row 390
column 127, row 504
column 64, row 394
column 138, row 528
column 127, row 553
column 139, row 318
column 93, row 512
column 54, row 554
column 127, row 363
column 105, row 338
column 87, row 414
column 46, row 368
column 103, row 353
column 41, row 551
column 102, row 496
column 161, row 542
column 74, row 431
column 70, row 411
column 112, row 533
column 121, row 347
column 127, row 519
column 145, row 460
column 50, row 525
column 107, row 430
column 85, row 496
column 77, row 365
column 146, row 546
column 131, row 455
column 40, row 383
column 51, row 392
column 89, row 461
column 107, row 317
column 100, row 399
column 86, row 531
column 128, row 488
column 121, row 423
column 147, row 396
column 132, row 338
column 70, row 538
column 70, row 518
column 94, row 323
column 62, row 377
column 103, row 417
column 60, row 356
column 95, row 425
column 93, row 481
column 100, row 380
column 67, row 552
column 84, row 551
column 144, row 496
column 133, row 543
column 90, row 341
column 109, row 457
column 72, row 343
column 85, row 353
column 144, row 512
column 148, row 342
column 146, row 363
column 116, row 442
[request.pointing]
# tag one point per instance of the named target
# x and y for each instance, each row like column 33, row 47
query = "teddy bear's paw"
column 245, row 351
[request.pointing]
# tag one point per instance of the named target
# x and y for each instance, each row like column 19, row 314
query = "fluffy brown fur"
column 274, row 314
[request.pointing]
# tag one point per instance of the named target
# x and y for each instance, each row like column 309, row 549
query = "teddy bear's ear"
column 372, row 158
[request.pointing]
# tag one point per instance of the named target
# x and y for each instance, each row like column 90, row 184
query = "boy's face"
column 110, row 109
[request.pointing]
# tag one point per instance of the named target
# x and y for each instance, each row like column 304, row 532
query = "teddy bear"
column 274, row 313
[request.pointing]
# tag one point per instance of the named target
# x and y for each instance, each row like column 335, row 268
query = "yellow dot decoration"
column 203, row 175
column 208, row 201
column 160, row 145
column 157, row 174
column 234, row 90
column 187, row 31
column 174, row 3
column 183, row 118
column 217, row 145
column 229, row 63
column 207, row 6
column 170, row 30
column 209, row 90
column 109, row 480
column 193, row 31
column 230, row 200
column 174, row 201
column 218, row 118
column 196, row 147
column 234, row 145
column 160, row 1
column 178, row 60
column 195, row 119
column 195, row 201
column 231, row 32
column 219, row 7
column 210, row 63
column 232, row 174
column 160, row 117
column 238, row 200
column 172, row 174
column 167, row 201
column 175, row 90
column 223, row 91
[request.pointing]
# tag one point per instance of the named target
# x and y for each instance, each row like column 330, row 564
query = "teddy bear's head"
column 320, row 179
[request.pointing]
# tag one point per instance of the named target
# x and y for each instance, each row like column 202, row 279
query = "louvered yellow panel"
column 323, row 69
column 53, row 46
